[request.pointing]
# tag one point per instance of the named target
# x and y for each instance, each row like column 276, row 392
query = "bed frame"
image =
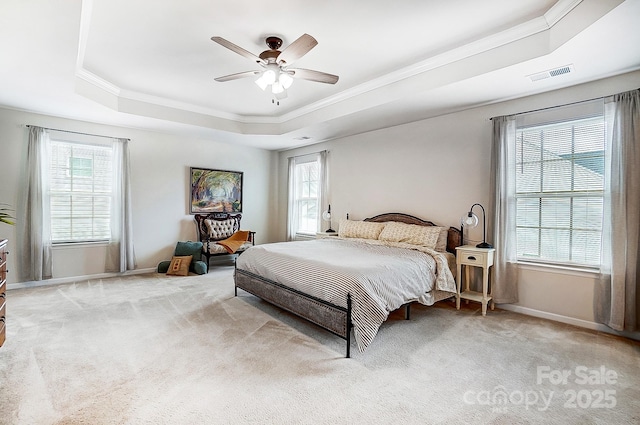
column 334, row 318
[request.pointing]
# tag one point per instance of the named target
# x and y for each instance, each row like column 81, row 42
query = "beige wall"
column 436, row 169
column 160, row 178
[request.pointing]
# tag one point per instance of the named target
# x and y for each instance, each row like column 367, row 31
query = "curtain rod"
column 77, row 132
column 552, row 107
column 310, row 153
column 566, row 104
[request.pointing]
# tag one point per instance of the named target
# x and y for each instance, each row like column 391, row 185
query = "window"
column 559, row 189
column 80, row 191
column 306, row 185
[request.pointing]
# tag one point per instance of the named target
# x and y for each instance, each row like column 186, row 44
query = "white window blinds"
column 559, row 189
column 80, row 185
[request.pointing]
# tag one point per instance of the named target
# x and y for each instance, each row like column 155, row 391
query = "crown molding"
column 510, row 35
column 560, row 10
column 97, row 81
column 514, row 34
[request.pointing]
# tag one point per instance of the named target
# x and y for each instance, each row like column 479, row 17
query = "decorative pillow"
column 179, row 265
column 360, row 229
column 194, row 249
column 188, row 248
column 199, row 267
column 426, row 236
column 441, row 245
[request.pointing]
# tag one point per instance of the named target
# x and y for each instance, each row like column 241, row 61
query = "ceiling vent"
column 552, row 73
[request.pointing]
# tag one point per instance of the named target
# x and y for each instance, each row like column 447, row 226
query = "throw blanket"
column 235, row 241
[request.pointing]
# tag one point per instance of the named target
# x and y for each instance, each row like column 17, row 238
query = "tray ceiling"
column 151, row 64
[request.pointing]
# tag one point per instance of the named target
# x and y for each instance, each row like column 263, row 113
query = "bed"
column 354, row 280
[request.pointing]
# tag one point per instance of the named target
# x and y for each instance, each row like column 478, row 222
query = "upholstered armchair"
column 219, row 227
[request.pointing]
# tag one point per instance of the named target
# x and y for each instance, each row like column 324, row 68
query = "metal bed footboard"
column 331, row 317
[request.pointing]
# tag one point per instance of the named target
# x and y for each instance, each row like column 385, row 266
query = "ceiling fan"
column 275, row 63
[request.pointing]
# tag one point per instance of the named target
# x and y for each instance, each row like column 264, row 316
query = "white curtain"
column 502, row 223
column 323, row 202
column 35, row 233
column 617, row 298
column 35, row 230
column 120, row 253
column 292, row 217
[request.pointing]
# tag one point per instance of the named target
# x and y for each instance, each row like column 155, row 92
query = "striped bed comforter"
column 380, row 276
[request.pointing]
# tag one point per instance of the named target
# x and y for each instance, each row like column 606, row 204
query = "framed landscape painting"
column 215, row 191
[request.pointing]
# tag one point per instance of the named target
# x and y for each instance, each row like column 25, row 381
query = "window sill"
column 554, row 268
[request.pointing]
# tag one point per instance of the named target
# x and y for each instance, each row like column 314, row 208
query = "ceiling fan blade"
column 297, row 49
column 239, row 50
column 238, row 76
column 308, row 74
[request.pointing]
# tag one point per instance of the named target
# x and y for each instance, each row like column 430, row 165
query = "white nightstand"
column 325, row 234
column 469, row 255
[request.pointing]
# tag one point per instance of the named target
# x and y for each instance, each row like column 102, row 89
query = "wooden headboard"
column 454, row 235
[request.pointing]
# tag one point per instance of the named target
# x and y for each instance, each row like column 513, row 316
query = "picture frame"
column 215, row 191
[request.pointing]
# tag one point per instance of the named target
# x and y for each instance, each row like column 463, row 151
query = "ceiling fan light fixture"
column 275, row 62
column 269, row 76
column 285, row 80
column 277, row 88
column 261, row 82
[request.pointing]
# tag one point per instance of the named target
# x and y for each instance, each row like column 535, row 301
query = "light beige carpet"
column 153, row 349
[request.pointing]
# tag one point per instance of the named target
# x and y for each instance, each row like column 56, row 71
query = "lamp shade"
column 326, row 216
column 261, row 82
column 278, row 80
column 286, row 80
column 277, row 88
column 471, row 220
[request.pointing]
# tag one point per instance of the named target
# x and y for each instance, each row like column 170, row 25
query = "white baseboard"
column 60, row 280
column 568, row 320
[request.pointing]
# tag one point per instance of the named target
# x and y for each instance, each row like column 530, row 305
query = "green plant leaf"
column 5, row 217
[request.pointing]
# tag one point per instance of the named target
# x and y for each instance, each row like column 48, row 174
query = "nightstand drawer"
column 3, row 308
column 472, row 258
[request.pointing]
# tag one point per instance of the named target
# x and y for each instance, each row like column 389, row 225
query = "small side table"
column 320, row 235
column 469, row 255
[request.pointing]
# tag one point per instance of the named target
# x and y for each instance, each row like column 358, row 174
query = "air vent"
column 552, row 73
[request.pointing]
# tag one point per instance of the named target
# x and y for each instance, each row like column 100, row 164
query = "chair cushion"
column 214, row 248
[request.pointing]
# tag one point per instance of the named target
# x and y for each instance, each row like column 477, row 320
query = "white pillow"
column 360, row 229
column 414, row 234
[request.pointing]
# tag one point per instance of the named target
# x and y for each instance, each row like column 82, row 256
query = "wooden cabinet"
column 3, row 289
